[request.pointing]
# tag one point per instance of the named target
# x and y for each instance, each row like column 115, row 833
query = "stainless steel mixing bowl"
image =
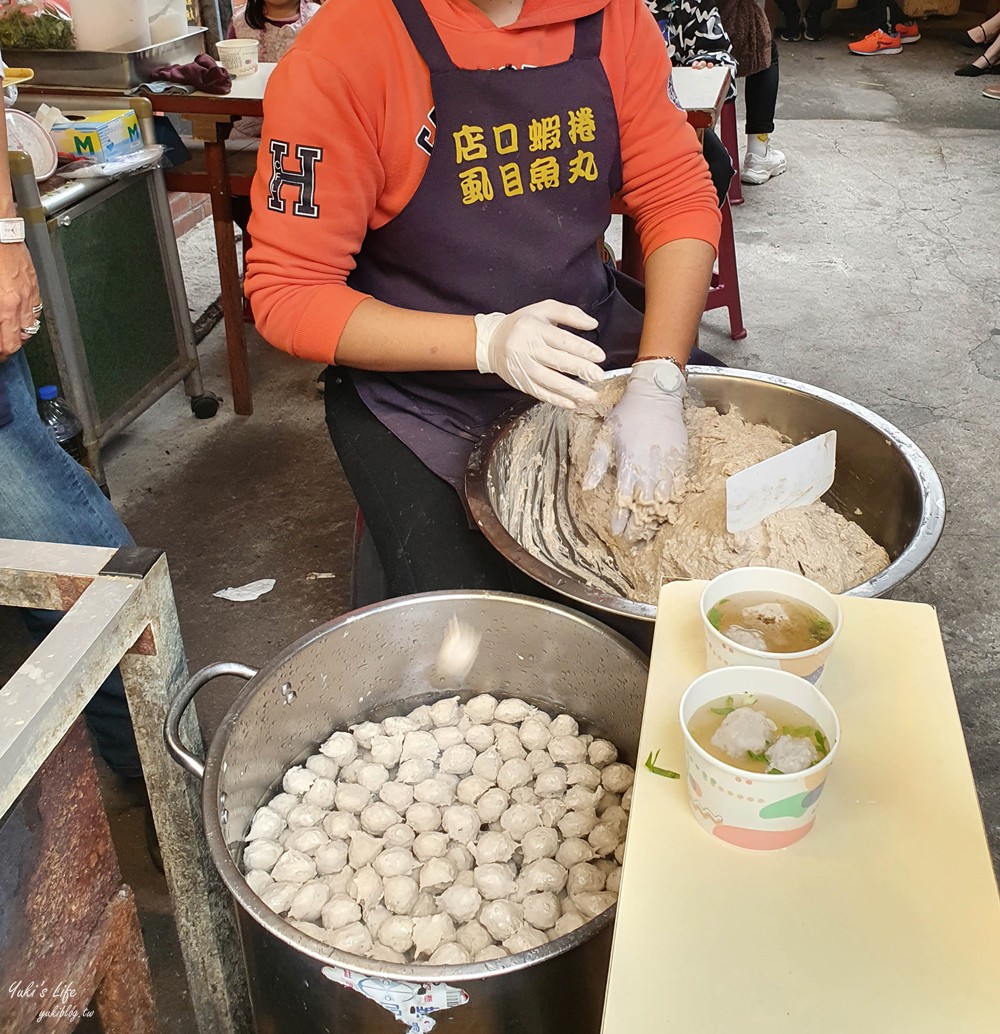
column 884, row 483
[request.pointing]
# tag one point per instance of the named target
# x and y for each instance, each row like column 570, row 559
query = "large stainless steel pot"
column 370, row 664
column 883, row 482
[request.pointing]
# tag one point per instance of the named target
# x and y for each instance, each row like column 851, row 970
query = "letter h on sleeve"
column 302, row 180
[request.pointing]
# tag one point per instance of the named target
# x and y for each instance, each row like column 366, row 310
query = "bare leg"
column 990, row 57
column 986, row 31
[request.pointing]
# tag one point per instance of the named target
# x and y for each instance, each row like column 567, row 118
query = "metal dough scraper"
column 796, row 477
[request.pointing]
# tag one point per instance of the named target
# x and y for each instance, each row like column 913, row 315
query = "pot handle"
column 172, row 724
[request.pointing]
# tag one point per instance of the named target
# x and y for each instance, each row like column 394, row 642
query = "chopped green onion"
column 665, row 772
column 754, row 756
column 715, row 618
column 821, row 630
column 774, row 771
column 807, row 731
column 722, row 710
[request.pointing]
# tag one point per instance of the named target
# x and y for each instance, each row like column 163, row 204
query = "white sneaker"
column 759, row 168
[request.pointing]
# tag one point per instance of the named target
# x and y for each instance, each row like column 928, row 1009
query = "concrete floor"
column 868, row 269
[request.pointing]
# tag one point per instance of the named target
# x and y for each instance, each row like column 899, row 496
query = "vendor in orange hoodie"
column 433, row 178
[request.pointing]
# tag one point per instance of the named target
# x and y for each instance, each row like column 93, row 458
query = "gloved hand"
column 531, row 352
column 644, row 437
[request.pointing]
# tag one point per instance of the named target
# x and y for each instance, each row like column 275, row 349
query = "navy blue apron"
column 516, row 194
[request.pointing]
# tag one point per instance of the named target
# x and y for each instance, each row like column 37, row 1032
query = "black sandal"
column 964, row 39
column 973, row 70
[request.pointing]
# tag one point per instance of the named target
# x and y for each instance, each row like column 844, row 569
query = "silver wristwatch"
column 11, row 231
column 666, row 372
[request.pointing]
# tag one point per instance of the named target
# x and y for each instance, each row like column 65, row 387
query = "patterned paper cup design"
column 238, row 56
column 723, row 652
column 759, row 812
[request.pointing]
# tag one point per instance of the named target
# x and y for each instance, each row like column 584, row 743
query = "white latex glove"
column 531, row 352
column 644, row 438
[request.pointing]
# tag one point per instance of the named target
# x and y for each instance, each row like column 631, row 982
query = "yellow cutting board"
column 885, row 919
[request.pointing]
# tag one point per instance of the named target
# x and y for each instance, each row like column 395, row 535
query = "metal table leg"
column 194, row 385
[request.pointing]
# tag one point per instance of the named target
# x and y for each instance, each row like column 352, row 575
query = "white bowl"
column 722, row 651
column 748, row 809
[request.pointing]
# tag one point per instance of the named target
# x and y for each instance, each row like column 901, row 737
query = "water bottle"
column 61, row 421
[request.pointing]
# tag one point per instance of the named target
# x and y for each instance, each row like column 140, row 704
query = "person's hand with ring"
column 20, row 306
column 20, row 302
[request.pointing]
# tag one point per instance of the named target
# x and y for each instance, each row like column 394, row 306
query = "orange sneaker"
column 877, row 42
column 908, row 32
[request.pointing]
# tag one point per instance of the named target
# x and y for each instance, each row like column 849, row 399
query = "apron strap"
column 423, row 34
column 589, row 31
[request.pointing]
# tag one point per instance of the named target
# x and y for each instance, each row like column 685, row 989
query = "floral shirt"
column 693, row 31
column 276, row 37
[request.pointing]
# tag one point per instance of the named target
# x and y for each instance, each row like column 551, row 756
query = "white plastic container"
column 104, row 25
column 167, row 19
column 746, row 809
column 722, row 651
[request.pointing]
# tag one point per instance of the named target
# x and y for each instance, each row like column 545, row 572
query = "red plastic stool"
column 731, row 142
column 725, row 289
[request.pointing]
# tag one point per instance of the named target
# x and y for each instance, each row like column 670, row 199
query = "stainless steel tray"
column 108, row 70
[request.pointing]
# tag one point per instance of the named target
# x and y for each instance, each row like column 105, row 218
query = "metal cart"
column 117, row 332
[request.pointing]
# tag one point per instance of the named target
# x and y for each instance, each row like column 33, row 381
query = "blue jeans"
column 45, row 496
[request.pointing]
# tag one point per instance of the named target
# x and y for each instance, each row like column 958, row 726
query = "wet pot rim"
column 280, row 928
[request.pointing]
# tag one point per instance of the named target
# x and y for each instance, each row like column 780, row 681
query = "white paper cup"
column 721, row 651
column 747, row 809
column 238, row 56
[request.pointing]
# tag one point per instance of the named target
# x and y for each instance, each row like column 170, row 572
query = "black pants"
column 760, row 94
column 107, row 714
column 417, row 521
column 792, row 14
column 241, row 210
column 720, row 165
column 885, row 15
column 419, row 525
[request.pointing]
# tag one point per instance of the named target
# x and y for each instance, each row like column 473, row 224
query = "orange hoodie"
column 355, row 86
